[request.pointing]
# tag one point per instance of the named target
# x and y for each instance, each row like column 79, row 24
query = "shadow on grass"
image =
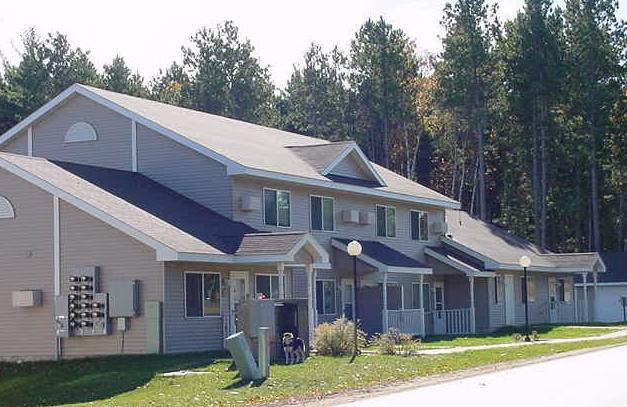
column 505, row 331
column 243, row 383
column 78, row 381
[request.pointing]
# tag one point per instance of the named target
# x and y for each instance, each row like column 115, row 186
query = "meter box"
column 87, row 309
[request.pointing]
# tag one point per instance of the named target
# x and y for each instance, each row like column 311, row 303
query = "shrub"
column 394, row 342
column 336, row 338
column 517, row 337
column 535, row 335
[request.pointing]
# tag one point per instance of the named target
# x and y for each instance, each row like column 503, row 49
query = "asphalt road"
column 595, row 379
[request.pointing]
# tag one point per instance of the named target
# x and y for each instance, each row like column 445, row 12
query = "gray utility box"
column 289, row 315
column 123, row 299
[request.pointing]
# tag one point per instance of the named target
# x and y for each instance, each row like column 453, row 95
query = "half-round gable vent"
column 81, row 131
column 6, row 209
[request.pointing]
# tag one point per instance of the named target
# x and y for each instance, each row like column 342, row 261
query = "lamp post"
column 354, row 250
column 525, row 262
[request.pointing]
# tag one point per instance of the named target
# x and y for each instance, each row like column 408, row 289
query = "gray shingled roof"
column 500, row 246
column 256, row 147
column 385, row 254
column 151, row 209
column 319, row 156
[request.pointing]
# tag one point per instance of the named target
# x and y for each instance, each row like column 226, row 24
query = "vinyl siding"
column 348, row 167
column 184, row 170
column 26, row 262
column 111, row 150
column 86, row 241
column 300, row 197
column 18, row 145
column 496, row 311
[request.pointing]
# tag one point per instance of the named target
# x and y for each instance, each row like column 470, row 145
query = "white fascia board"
column 344, row 187
column 323, row 255
column 614, row 284
column 350, row 148
column 161, row 248
column 409, row 270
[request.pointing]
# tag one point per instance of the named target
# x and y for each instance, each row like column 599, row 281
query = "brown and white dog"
column 294, row 348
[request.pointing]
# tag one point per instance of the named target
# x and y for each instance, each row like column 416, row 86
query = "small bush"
column 396, row 343
column 535, row 335
column 336, row 338
column 517, row 337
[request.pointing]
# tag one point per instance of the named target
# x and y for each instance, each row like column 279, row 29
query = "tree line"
column 522, row 121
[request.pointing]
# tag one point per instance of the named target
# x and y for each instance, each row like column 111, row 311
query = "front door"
column 439, row 315
column 510, row 299
column 239, row 292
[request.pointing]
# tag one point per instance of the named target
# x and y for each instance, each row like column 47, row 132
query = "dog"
column 294, row 348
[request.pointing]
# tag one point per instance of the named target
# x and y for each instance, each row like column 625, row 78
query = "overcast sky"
column 149, row 34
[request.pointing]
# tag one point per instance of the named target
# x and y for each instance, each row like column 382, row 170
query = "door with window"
column 347, row 299
column 439, row 316
column 239, row 292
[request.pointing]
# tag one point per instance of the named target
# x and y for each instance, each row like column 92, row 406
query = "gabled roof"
column 616, row 269
column 178, row 228
column 499, row 249
column 244, row 148
column 384, row 257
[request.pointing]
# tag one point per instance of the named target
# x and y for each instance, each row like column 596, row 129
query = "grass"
column 134, row 380
column 505, row 335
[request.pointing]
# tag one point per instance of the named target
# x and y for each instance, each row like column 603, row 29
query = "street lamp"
column 354, row 250
column 525, row 262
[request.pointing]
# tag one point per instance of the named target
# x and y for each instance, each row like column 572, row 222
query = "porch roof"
column 458, row 261
column 383, row 257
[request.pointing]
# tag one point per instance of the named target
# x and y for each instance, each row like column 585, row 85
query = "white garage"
column 607, row 305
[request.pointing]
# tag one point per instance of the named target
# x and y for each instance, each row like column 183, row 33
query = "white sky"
column 149, row 34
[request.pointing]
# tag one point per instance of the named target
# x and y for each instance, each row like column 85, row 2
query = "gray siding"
column 496, row 310
column 26, row 262
column 349, row 168
column 184, row 170
column 86, row 241
column 18, row 145
column 111, row 150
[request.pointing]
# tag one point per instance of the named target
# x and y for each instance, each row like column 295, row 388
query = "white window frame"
column 392, row 284
column 202, row 288
column 7, row 211
column 263, row 198
column 499, row 290
column 411, row 211
column 80, row 132
column 417, row 286
column 522, row 282
column 322, row 198
column 268, row 275
column 322, row 280
column 376, row 232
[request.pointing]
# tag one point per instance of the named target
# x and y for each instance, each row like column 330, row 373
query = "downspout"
column 57, row 270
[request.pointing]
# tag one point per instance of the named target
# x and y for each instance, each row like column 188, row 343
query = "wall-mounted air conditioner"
column 350, row 216
column 366, row 218
column 249, row 203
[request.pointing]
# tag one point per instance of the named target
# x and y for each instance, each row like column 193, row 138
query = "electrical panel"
column 87, row 309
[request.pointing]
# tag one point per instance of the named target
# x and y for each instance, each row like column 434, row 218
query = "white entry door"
column 510, row 300
column 439, row 315
column 239, row 292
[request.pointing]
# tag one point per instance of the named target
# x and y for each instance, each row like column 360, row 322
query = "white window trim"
column 268, row 275
column 499, row 281
column 376, row 232
column 203, row 293
column 71, row 138
column 322, row 198
column 522, row 280
column 393, row 284
column 263, row 198
column 419, row 239
column 334, row 295
column 8, row 209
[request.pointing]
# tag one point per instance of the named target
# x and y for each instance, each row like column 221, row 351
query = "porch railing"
column 453, row 321
column 409, row 321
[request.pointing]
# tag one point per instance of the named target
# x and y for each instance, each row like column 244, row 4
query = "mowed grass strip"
column 135, row 380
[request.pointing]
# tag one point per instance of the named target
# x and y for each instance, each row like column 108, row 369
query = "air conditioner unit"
column 26, row 298
column 366, row 218
column 250, row 203
column 350, row 216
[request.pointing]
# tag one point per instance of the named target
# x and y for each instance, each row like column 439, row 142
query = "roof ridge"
column 328, row 143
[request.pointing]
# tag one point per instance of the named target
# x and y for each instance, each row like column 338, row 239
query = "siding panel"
column 19, row 145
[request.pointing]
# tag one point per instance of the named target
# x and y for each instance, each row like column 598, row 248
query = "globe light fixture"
column 524, row 261
column 354, row 248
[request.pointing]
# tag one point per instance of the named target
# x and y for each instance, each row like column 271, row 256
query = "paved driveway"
column 595, row 379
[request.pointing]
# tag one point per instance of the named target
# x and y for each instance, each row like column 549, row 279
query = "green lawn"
column 134, row 380
column 505, row 335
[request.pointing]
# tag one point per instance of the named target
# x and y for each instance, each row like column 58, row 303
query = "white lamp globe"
column 354, row 248
column 524, row 261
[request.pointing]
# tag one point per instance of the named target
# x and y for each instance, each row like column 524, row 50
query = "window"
column 386, row 221
column 276, row 207
column 395, row 296
column 564, row 290
column 498, row 289
column 322, row 210
column 325, row 297
column 531, row 284
column 266, row 286
column 81, row 131
column 426, row 296
column 202, row 294
column 419, row 225
column 347, row 300
column 6, row 209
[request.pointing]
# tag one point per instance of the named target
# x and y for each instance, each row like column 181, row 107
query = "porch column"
column 594, row 303
column 385, row 302
column 311, row 288
column 315, row 295
column 422, row 305
column 471, row 280
column 584, row 277
column 280, row 268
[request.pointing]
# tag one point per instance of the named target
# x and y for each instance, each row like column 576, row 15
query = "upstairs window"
column 202, row 294
column 81, row 131
column 386, row 221
column 277, row 208
column 322, row 213
column 325, row 297
column 419, row 225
